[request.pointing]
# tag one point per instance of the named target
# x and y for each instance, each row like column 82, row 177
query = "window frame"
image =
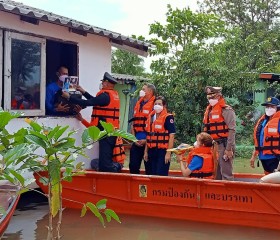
column 8, row 36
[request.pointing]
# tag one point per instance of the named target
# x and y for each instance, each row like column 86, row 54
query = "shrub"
column 244, row 151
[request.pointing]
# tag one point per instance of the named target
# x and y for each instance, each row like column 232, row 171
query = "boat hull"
column 8, row 201
column 224, row 202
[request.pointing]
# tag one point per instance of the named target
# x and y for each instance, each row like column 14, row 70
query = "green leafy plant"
column 41, row 148
column 244, row 151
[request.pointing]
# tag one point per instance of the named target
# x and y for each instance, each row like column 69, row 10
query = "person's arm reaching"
column 100, row 100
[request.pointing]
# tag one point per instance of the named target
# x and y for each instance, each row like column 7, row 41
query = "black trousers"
column 269, row 165
column 135, row 160
column 106, row 164
column 156, row 156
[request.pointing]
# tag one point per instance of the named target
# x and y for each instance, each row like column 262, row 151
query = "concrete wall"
column 93, row 60
column 94, row 51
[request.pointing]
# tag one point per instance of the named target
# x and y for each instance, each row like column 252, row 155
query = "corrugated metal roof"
column 24, row 10
column 128, row 78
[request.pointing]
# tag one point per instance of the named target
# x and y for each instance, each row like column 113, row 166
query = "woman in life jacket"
column 200, row 162
column 267, row 137
column 160, row 130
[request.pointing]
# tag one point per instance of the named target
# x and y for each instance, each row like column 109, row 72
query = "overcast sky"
column 122, row 16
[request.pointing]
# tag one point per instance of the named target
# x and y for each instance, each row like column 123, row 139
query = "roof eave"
column 119, row 41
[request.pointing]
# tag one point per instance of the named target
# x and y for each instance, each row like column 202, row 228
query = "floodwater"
column 30, row 223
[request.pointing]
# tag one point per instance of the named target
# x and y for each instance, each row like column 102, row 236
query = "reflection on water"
column 30, row 223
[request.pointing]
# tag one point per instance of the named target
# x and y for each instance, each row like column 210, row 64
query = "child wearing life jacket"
column 200, row 161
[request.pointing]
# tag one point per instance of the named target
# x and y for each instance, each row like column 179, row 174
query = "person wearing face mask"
column 142, row 109
column 267, row 137
column 200, row 160
column 106, row 107
column 53, row 108
column 220, row 122
column 160, row 129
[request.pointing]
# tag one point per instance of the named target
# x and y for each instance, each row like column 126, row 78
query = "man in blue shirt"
column 267, row 137
column 142, row 109
column 51, row 107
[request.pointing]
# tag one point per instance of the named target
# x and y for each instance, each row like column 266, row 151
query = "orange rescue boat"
column 243, row 202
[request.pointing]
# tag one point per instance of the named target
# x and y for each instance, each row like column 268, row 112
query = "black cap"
column 271, row 101
column 109, row 78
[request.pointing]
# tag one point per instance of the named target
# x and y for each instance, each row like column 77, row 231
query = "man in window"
column 53, row 108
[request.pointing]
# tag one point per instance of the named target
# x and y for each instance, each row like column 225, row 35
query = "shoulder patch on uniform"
column 228, row 107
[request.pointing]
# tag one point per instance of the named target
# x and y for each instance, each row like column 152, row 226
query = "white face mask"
column 213, row 102
column 158, row 108
column 62, row 77
column 142, row 93
column 270, row 111
column 100, row 86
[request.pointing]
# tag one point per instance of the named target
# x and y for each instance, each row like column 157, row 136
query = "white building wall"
column 94, row 59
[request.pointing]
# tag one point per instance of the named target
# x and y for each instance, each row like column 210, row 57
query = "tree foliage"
column 250, row 16
column 180, row 73
column 124, row 62
column 200, row 49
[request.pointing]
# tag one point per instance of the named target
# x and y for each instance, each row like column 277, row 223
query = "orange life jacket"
column 214, row 122
column 157, row 135
column 32, row 106
column 207, row 169
column 14, row 104
column 271, row 136
column 118, row 151
column 109, row 113
column 141, row 114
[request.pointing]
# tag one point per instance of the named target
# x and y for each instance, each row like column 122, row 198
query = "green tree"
column 199, row 49
column 182, row 71
column 124, row 62
column 249, row 15
column 255, row 27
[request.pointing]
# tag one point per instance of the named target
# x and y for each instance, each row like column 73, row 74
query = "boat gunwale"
column 6, row 217
column 177, row 178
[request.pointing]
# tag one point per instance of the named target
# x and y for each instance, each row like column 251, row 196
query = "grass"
column 240, row 165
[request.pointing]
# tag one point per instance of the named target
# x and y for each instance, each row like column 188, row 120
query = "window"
column 24, row 73
column 271, row 92
column 29, row 65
